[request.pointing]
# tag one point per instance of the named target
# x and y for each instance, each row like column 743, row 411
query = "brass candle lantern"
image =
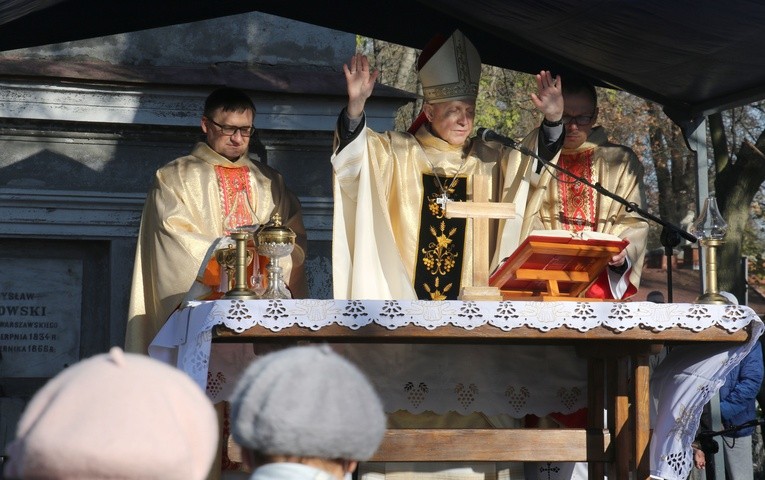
column 226, row 258
column 239, row 225
column 238, row 263
column 275, row 241
column 710, row 229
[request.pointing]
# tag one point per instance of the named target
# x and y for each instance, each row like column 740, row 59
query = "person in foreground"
column 116, row 415
column 194, row 203
column 305, row 413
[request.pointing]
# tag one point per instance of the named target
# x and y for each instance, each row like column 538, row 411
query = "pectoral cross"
column 480, row 210
column 442, row 200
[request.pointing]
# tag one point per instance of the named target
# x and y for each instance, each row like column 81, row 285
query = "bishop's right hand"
column 361, row 81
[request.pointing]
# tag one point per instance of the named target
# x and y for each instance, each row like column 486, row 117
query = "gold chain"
column 445, row 190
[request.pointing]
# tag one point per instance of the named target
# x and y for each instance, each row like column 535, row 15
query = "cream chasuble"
column 381, row 203
column 561, row 205
column 183, row 222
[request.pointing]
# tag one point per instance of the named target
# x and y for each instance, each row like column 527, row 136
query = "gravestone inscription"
column 40, row 316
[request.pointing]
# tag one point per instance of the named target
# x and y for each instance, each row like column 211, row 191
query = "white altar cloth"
column 185, row 341
column 493, row 379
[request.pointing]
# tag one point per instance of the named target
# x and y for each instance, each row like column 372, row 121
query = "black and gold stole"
column 441, row 244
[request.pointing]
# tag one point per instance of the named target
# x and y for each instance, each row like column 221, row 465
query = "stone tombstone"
column 40, row 316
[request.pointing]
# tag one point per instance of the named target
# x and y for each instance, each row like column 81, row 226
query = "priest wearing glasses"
column 557, row 202
column 190, row 209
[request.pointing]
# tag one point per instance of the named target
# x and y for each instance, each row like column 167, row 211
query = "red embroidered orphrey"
column 232, row 181
column 577, row 199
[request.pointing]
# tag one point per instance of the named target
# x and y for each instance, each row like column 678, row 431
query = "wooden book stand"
column 554, row 267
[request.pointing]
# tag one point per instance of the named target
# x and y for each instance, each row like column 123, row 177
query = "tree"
column 736, row 184
column 397, row 66
column 673, row 164
column 503, row 104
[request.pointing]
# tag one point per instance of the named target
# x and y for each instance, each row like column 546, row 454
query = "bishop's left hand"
column 618, row 259
column 549, row 96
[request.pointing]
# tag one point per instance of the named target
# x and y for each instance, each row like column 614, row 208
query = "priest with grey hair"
column 391, row 239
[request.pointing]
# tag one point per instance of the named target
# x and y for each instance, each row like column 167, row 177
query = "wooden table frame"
column 616, row 446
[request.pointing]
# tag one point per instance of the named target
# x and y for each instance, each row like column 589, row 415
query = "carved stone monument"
column 40, row 316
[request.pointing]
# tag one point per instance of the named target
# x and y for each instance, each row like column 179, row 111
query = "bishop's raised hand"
column 360, row 79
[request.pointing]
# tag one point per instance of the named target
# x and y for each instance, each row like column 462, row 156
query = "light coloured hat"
column 307, row 401
column 116, row 415
column 452, row 72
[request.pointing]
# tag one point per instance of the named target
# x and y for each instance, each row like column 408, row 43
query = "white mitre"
column 452, row 72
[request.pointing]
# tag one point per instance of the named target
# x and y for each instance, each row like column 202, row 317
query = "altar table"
column 616, row 340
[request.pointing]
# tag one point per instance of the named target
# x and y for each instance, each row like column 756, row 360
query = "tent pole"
column 697, row 142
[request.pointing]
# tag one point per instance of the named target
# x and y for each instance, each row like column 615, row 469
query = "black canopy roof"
column 692, row 56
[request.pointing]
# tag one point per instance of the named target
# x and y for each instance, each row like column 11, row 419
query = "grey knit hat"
column 309, row 402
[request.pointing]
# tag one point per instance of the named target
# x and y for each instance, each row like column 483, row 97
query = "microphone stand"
column 670, row 234
column 710, row 447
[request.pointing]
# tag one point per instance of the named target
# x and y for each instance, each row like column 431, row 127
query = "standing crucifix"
column 480, row 210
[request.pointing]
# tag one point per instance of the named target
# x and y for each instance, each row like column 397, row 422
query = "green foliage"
column 498, row 106
column 752, row 244
column 495, row 114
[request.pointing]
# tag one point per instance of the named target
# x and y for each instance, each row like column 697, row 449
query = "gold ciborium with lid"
column 275, row 241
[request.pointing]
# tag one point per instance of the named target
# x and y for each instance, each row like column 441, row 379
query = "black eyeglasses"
column 579, row 119
column 228, row 130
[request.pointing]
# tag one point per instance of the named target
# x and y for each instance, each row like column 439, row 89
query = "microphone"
column 488, row 135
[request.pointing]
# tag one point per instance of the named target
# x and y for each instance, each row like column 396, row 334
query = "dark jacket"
column 739, row 391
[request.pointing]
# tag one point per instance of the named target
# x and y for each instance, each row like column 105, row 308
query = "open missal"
column 555, row 264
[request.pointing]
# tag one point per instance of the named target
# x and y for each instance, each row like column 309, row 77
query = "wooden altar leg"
column 642, row 415
column 596, row 392
column 621, row 412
